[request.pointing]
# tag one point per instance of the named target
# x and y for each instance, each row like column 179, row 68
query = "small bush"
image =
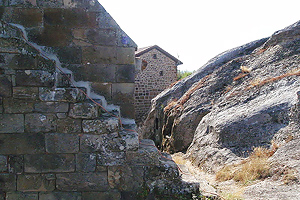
column 183, row 74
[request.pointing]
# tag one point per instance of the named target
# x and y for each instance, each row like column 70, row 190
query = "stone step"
column 71, row 94
column 63, row 80
column 101, row 125
column 85, row 110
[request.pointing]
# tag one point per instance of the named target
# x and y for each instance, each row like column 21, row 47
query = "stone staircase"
column 55, row 143
column 58, row 144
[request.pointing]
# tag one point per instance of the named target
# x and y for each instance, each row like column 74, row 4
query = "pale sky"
column 197, row 30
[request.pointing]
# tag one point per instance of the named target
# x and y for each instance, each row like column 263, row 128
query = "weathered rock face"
column 240, row 99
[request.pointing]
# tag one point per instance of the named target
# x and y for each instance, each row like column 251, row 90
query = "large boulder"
column 242, row 98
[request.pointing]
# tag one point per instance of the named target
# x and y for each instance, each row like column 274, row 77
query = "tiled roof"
column 143, row 50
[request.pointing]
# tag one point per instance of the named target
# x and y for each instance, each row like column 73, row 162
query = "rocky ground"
column 244, row 98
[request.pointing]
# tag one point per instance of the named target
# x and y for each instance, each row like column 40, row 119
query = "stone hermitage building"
column 61, row 63
column 157, row 71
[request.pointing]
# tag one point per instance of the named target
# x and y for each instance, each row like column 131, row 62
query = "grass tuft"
column 179, row 103
column 256, row 166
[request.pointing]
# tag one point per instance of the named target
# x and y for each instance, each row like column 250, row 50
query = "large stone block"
column 131, row 139
column 51, row 4
column 63, row 80
column 123, row 93
column 102, row 143
column 86, row 162
column 17, row 105
column 5, row 86
column 11, row 123
column 12, row 45
column 21, row 196
column 92, row 143
column 82, row 181
column 106, row 21
column 84, row 110
column 99, row 55
column 3, row 163
column 51, row 107
column 46, row 64
column 28, row 17
column 126, row 56
column 22, row 143
column 37, row 78
column 16, row 164
column 31, row 62
column 103, row 89
column 101, row 126
column 36, row 122
column 125, row 178
column 62, row 94
column 36, row 182
column 111, row 158
column 113, row 195
column 147, row 154
column 28, row 93
column 53, row 16
column 47, row 163
column 62, row 143
column 68, row 125
column 127, row 110
column 69, row 55
column 105, row 37
column 21, row 61
column 90, row 6
column 79, row 18
column 60, row 196
column 55, row 36
column 125, row 74
column 7, row 182
column 105, row 73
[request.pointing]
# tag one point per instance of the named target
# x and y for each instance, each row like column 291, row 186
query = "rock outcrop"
column 243, row 98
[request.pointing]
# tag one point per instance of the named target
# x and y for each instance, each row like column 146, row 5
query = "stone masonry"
column 158, row 71
column 55, row 142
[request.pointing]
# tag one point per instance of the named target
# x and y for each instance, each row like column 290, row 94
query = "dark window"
column 161, row 73
column 154, row 56
column 144, row 64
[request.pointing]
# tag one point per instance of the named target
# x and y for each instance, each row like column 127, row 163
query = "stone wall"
column 55, row 142
column 152, row 80
column 86, row 40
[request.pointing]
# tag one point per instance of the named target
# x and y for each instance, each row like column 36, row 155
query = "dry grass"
column 178, row 159
column 241, row 75
column 179, row 103
column 295, row 72
column 172, row 104
column 289, row 138
column 245, row 69
column 188, row 94
column 233, row 196
column 256, row 166
column 290, row 176
column 260, row 51
column 245, row 72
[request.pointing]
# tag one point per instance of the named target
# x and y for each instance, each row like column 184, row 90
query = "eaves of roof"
column 141, row 51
